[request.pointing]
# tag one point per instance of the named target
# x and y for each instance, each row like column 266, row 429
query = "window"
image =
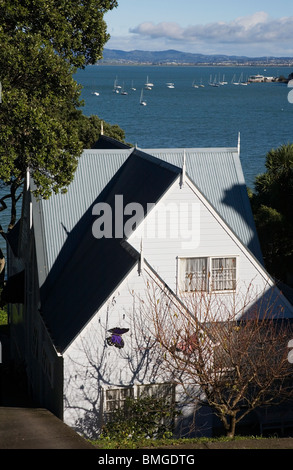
column 166, row 391
column 115, row 398
column 194, row 274
column 223, row 274
column 207, row 274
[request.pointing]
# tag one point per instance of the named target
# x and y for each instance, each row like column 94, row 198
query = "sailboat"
column 223, row 82
column 132, row 86
column 233, row 79
column 142, row 101
column 123, row 92
column 194, row 84
column 148, row 85
column 239, row 81
column 116, row 86
column 214, row 83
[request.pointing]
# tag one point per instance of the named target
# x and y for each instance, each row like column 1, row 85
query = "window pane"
column 115, row 398
column 223, row 274
column 165, row 391
column 194, row 274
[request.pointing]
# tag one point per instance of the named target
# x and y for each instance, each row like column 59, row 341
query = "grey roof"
column 62, row 212
column 69, row 298
column 216, row 172
column 106, row 142
column 65, row 245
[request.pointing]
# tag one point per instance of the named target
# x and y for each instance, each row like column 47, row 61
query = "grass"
column 161, row 443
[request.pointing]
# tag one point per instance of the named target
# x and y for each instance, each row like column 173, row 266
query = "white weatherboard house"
column 164, row 213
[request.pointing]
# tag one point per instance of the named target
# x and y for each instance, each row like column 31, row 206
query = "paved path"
column 24, row 426
column 36, row 428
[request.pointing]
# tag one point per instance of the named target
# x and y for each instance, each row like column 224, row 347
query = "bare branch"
column 224, row 357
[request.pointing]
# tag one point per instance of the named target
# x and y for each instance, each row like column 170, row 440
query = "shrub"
column 3, row 317
column 141, row 418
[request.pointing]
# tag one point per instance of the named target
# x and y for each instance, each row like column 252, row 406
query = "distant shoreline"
column 174, row 58
column 138, row 64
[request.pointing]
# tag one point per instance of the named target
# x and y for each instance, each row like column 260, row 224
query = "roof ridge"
column 157, row 161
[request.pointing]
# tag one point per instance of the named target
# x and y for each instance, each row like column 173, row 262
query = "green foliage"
column 3, row 317
column 89, row 129
column 185, row 443
column 3, row 313
column 274, row 188
column 143, row 418
column 42, row 42
column 76, row 29
column 272, row 205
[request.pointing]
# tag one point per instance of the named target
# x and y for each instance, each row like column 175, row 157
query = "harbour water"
column 185, row 116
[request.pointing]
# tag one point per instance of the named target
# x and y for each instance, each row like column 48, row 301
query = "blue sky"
column 250, row 27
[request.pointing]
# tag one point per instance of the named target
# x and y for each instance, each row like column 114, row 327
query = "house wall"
column 91, row 366
column 44, row 364
column 31, row 346
column 208, row 238
column 206, row 235
column 15, row 312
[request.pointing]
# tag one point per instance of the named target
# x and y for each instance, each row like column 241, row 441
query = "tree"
column 75, row 29
column 272, row 204
column 89, row 130
column 234, row 364
column 41, row 128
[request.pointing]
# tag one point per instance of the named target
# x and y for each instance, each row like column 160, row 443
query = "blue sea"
column 185, row 116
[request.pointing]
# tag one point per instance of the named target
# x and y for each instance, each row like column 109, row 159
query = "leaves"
column 76, row 29
column 148, row 417
column 272, row 207
column 41, row 127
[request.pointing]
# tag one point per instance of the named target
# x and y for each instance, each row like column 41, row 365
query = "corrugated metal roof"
column 63, row 223
column 62, row 212
column 217, row 172
column 69, row 297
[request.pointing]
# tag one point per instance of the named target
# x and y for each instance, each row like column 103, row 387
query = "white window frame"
column 206, row 276
column 164, row 390
column 118, row 398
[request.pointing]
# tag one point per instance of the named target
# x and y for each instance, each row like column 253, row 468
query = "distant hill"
column 173, row 57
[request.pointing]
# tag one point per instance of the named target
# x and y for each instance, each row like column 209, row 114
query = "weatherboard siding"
column 214, row 238
column 92, row 366
column 218, row 174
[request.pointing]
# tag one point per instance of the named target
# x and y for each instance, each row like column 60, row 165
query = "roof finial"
column 238, row 143
column 27, row 178
column 183, row 173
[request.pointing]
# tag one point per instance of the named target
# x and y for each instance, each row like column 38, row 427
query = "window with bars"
column 207, row 274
